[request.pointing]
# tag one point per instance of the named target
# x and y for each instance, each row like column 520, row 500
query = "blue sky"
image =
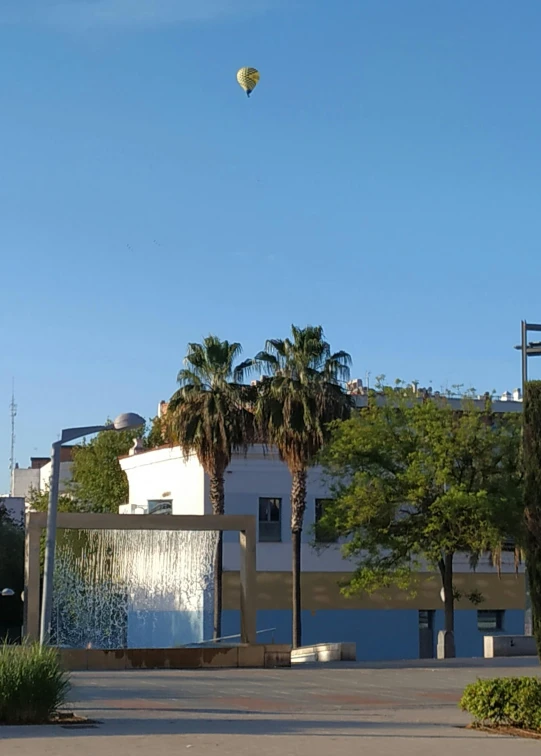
column 384, row 180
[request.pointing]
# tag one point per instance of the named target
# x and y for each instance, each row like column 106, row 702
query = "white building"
column 390, row 626
column 37, row 476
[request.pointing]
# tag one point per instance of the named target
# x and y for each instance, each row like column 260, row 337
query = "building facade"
column 396, row 625
column 37, row 475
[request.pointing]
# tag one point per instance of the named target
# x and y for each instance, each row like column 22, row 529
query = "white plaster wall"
column 165, row 474
column 45, row 476
column 261, row 474
column 25, row 478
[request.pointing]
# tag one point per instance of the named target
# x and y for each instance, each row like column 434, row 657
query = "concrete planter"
column 324, row 652
column 259, row 656
column 509, row 645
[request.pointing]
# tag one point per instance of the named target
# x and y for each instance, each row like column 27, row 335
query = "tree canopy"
column 11, row 552
column 98, row 482
column 416, row 481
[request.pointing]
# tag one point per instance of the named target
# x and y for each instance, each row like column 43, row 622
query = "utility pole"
column 13, row 413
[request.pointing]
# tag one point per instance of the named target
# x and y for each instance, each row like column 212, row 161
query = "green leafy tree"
column 98, row 482
column 301, row 394
column 210, row 416
column 416, row 482
column 39, row 501
column 11, row 567
column 157, row 435
column 532, row 499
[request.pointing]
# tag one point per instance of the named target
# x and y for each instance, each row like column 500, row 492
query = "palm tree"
column 300, row 395
column 210, row 416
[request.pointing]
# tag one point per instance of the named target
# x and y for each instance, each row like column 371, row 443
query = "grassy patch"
column 33, row 685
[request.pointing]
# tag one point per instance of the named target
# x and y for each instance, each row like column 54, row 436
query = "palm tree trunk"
column 217, row 499
column 298, row 505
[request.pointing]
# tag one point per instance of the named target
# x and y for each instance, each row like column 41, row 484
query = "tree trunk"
column 298, row 505
column 446, row 571
column 531, row 417
column 447, row 650
column 449, row 603
column 217, row 499
column 533, row 566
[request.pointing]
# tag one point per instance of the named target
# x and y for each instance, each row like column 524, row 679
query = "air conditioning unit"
column 132, row 509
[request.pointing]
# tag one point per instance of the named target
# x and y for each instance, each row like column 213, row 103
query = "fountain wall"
column 133, row 589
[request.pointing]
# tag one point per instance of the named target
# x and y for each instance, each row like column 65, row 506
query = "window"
column 490, row 620
column 270, row 519
column 426, row 619
column 323, row 534
column 160, row 506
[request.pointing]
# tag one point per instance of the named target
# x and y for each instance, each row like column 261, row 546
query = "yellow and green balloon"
column 248, row 78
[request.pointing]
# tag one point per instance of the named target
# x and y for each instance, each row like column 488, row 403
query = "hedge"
column 505, row 702
column 33, row 685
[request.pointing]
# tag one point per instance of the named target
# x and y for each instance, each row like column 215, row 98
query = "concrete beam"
column 245, row 525
column 509, row 645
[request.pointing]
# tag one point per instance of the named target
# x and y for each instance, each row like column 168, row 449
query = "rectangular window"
column 323, row 534
column 270, row 519
column 160, row 506
column 490, row 620
column 426, row 619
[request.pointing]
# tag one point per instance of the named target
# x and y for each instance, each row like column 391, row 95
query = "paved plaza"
column 381, row 709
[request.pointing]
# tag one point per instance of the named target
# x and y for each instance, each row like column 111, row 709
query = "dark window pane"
column 270, row 519
column 323, row 533
column 490, row 620
column 274, row 510
column 426, row 619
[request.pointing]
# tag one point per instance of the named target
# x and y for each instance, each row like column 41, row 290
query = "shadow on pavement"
column 272, row 726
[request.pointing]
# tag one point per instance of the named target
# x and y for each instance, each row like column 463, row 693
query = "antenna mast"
column 13, row 413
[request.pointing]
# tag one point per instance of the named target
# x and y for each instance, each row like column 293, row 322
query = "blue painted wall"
column 468, row 639
column 380, row 635
column 167, row 629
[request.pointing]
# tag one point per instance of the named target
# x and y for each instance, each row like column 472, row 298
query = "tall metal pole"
column 126, row 421
column 13, row 411
column 528, row 625
column 50, row 544
column 524, row 349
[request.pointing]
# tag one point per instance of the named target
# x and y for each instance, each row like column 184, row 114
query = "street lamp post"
column 528, row 349
column 126, row 421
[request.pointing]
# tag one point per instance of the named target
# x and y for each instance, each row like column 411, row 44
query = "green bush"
column 505, row 701
column 33, row 685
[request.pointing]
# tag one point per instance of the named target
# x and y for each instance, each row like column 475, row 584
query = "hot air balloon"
column 248, row 79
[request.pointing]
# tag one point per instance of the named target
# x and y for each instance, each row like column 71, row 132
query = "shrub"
column 33, row 685
column 505, row 701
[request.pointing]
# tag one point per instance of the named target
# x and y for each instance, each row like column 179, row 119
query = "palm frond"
column 211, row 414
column 188, row 377
column 301, row 394
column 244, row 370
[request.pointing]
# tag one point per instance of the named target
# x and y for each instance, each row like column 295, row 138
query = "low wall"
column 509, row 645
column 260, row 656
column 324, row 652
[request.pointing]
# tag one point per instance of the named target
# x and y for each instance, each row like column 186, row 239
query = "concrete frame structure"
column 245, row 525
